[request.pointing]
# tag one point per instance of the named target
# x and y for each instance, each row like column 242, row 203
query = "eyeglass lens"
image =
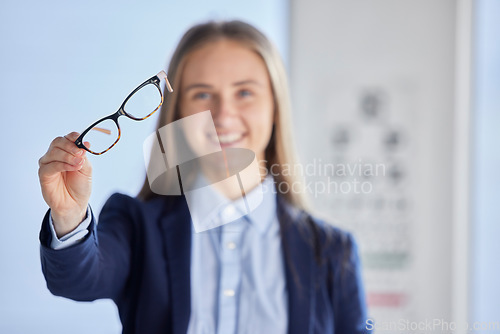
column 143, row 102
column 102, row 136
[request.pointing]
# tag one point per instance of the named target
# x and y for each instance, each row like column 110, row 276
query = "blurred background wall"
column 375, row 86
column 411, row 87
column 403, row 94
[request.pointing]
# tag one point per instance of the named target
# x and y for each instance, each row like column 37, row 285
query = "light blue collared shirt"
column 237, row 269
column 238, row 280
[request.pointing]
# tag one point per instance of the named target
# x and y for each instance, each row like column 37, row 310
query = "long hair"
column 279, row 152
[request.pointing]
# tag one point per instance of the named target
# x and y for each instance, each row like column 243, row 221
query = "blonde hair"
column 279, row 151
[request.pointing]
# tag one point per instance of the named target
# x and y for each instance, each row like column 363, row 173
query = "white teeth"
column 229, row 138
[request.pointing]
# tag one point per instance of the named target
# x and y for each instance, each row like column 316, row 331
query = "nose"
column 223, row 112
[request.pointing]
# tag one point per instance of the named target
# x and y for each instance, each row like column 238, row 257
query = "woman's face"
column 232, row 82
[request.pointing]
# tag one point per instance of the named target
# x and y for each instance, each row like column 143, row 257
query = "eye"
column 244, row 93
column 202, row 96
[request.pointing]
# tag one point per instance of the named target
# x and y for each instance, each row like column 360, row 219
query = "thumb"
column 86, row 167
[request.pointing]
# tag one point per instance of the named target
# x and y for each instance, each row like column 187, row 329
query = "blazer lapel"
column 299, row 267
column 176, row 226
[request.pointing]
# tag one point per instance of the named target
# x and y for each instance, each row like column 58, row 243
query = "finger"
column 67, row 143
column 60, row 155
column 86, row 167
column 56, row 167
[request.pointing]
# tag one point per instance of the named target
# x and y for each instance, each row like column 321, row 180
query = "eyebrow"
column 245, row 82
column 207, row 86
column 197, row 85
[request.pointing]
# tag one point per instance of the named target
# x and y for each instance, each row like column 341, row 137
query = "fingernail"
column 77, row 160
column 80, row 152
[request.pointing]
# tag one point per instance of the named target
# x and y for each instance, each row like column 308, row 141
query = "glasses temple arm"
column 106, row 131
column 163, row 75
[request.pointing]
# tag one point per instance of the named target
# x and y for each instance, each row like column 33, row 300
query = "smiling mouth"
column 226, row 139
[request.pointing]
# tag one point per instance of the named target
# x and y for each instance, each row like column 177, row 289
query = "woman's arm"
column 98, row 266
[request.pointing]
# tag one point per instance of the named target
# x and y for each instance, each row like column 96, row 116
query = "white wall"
column 63, row 65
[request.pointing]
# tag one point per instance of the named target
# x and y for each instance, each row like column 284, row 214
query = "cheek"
column 260, row 133
column 261, row 122
column 266, row 117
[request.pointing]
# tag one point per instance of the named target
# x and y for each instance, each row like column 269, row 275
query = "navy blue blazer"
column 139, row 256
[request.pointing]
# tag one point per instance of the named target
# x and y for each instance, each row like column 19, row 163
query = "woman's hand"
column 66, row 180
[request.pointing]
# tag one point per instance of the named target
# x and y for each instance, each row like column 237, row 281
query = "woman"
column 276, row 270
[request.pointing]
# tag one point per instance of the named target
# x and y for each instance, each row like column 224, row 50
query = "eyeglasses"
column 143, row 102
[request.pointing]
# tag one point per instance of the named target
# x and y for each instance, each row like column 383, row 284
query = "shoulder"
column 334, row 244
column 123, row 204
column 333, row 236
column 322, row 233
column 120, row 204
column 336, row 253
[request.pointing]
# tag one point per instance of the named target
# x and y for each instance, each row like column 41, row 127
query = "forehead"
column 223, row 61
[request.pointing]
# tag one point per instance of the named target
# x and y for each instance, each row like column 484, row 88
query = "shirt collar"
column 210, row 205
column 263, row 215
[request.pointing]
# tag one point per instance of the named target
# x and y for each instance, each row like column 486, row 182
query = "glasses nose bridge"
column 114, row 117
column 120, row 112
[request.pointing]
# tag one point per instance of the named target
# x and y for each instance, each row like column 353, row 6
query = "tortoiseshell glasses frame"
column 121, row 112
